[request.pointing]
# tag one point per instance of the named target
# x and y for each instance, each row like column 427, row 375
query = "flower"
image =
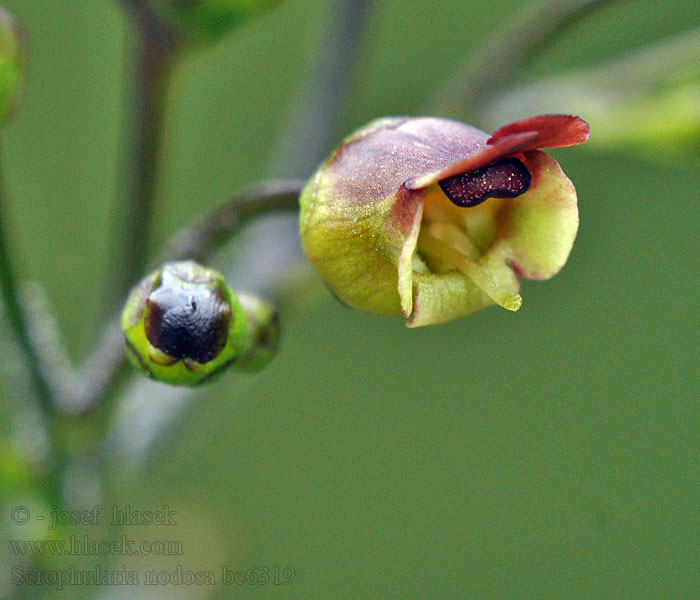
column 184, row 325
column 434, row 219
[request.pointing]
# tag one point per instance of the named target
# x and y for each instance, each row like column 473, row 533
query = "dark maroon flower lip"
column 507, row 178
column 544, row 131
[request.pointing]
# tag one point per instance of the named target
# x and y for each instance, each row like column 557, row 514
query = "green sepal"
column 262, row 335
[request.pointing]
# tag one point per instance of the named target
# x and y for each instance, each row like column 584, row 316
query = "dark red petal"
column 553, row 131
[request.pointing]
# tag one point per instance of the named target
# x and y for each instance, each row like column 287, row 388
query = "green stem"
column 98, row 376
column 17, row 319
column 313, row 126
column 217, row 228
column 156, row 52
column 505, row 52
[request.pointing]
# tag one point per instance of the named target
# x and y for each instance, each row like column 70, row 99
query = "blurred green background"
column 550, row 453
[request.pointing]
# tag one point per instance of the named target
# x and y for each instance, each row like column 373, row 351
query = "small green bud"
column 13, row 58
column 207, row 20
column 184, row 325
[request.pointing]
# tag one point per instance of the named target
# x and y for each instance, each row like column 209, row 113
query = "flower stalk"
column 156, row 51
column 16, row 316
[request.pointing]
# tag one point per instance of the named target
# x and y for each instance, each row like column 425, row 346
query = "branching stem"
column 16, row 317
column 220, row 225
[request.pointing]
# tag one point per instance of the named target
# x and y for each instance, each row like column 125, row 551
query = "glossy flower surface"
column 433, row 219
column 183, row 324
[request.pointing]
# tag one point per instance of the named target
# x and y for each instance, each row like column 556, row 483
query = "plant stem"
column 96, row 378
column 313, row 126
column 219, row 226
column 314, row 129
column 16, row 316
column 505, row 52
column 51, row 477
column 156, row 50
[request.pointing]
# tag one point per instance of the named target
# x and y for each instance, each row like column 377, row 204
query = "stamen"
column 507, row 178
column 447, row 242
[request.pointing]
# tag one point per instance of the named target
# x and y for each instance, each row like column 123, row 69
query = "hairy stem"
column 504, row 53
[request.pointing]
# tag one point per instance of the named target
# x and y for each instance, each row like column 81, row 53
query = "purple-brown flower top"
column 415, row 153
column 544, row 131
column 185, row 321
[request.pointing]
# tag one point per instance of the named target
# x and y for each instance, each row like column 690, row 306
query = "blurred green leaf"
column 13, row 55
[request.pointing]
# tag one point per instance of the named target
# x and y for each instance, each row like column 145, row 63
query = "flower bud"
column 262, row 335
column 434, row 219
column 206, row 20
column 184, row 325
column 13, row 58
